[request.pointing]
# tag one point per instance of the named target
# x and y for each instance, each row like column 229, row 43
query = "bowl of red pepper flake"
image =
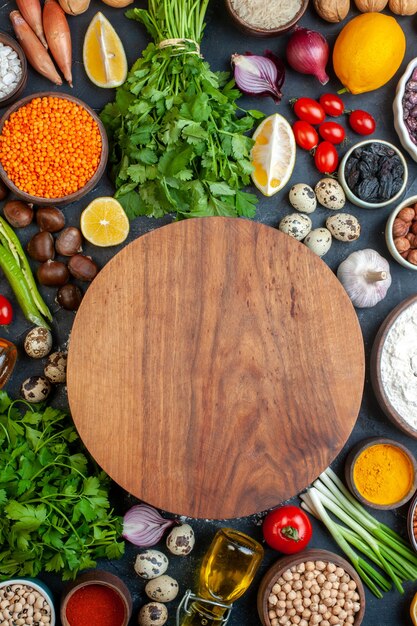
column 96, row 598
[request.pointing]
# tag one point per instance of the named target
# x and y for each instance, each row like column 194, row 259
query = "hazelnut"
column 400, row 228
column 412, row 257
column 407, row 214
column 405, row 254
column 402, row 244
column 412, row 239
column 414, row 228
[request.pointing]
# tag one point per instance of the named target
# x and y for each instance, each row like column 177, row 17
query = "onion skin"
column 36, row 54
column 308, row 53
column 32, row 13
column 58, row 36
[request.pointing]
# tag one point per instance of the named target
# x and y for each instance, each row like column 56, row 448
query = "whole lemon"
column 368, row 52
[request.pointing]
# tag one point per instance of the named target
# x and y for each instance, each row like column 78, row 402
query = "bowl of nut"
column 401, row 233
column 316, row 585
column 26, row 599
column 373, row 174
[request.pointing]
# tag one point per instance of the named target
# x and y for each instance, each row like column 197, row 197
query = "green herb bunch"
column 177, row 144
column 54, row 508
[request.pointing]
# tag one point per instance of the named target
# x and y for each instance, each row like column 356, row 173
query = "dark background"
column 220, row 41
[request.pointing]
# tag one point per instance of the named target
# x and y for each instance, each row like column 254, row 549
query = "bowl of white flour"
column 394, row 366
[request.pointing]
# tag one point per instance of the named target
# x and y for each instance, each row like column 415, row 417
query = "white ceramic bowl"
column 397, row 106
column 38, row 586
column 389, row 236
column 351, row 196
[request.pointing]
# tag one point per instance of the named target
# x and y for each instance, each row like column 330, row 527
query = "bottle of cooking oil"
column 227, row 571
column 8, row 356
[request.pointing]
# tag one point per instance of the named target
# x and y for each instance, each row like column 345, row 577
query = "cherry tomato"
column 309, row 110
column 6, row 311
column 287, row 529
column 332, row 104
column 326, row 158
column 362, row 122
column 305, row 135
column 332, row 131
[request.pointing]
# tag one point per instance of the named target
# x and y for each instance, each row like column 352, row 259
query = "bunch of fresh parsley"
column 54, row 508
column 177, row 144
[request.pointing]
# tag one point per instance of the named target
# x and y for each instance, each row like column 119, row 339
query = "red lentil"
column 95, row 605
column 50, row 147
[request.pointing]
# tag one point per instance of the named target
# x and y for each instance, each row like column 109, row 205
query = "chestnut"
column 18, row 214
column 3, row 191
column 41, row 247
column 82, row 267
column 69, row 241
column 69, row 296
column 53, row 274
column 50, row 219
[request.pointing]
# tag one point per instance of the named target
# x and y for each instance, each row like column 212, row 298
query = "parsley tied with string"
column 54, row 510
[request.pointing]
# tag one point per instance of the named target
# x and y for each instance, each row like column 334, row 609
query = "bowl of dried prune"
column 401, row 233
column 373, row 174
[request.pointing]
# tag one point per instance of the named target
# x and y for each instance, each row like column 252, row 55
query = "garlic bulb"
column 366, row 277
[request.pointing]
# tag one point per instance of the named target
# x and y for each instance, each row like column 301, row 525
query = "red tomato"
column 362, row 122
column 332, row 131
column 6, row 311
column 287, row 529
column 326, row 158
column 305, row 135
column 309, row 110
column 332, row 104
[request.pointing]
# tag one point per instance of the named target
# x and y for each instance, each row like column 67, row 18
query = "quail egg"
column 303, row 198
column 38, row 342
column 296, row 225
column 153, row 614
column 181, row 540
column 151, row 564
column 35, row 389
column 319, row 241
column 56, row 367
column 330, row 194
column 162, row 589
column 344, row 227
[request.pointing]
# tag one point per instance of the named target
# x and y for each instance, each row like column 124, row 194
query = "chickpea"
column 272, row 599
column 310, row 566
column 282, row 595
column 352, row 584
column 339, row 572
column 287, row 588
column 287, row 576
column 272, row 614
column 321, row 566
column 276, row 588
column 298, row 585
column 274, row 622
column 292, row 595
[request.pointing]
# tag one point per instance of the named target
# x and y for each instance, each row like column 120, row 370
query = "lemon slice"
column 413, row 610
column 273, row 155
column 103, row 54
column 104, row 222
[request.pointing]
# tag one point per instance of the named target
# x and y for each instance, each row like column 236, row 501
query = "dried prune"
column 367, row 188
column 352, row 178
column 385, row 186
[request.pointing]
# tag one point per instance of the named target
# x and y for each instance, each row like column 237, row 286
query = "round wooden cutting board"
column 215, row 368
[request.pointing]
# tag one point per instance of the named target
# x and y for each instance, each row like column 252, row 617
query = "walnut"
column 402, row 244
column 413, row 228
column 400, row 228
column 403, row 7
column 332, row 10
column 407, row 214
column 412, row 257
column 368, row 6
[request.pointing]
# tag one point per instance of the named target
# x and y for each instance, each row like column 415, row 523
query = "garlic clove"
column 366, row 276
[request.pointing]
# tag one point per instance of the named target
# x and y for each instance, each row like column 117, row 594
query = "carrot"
column 31, row 12
column 36, row 54
column 58, row 36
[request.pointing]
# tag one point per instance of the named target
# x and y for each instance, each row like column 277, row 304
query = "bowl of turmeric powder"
column 53, row 149
column 381, row 473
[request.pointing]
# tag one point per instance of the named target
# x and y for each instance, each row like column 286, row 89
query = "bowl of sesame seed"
column 53, row 149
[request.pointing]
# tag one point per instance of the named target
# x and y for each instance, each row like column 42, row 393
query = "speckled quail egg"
column 35, row 389
column 181, row 540
column 153, row 614
column 319, row 241
column 38, row 342
column 330, row 194
column 303, row 198
column 344, row 227
column 151, row 564
column 296, row 225
column 162, row 589
column 56, row 367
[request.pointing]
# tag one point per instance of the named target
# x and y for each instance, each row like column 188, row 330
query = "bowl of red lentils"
column 53, row 149
column 311, row 587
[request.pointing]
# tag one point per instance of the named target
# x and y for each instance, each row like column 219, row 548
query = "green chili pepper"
column 11, row 241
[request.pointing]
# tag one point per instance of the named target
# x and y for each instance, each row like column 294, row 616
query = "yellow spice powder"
column 383, row 474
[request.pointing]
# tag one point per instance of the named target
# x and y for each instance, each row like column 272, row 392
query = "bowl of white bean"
column 311, row 587
column 26, row 601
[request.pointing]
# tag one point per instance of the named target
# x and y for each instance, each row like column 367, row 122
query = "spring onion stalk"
column 379, row 543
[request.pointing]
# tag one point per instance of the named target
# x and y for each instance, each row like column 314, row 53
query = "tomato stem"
column 290, row 533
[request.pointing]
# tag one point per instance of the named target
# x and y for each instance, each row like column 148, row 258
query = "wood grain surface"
column 215, row 367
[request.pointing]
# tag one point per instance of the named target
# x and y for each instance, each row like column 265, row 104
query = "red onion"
column 144, row 526
column 259, row 75
column 308, row 53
